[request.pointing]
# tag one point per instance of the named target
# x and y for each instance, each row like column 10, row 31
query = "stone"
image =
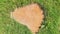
column 30, row 15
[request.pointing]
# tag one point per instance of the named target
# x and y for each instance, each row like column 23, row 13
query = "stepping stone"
column 30, row 15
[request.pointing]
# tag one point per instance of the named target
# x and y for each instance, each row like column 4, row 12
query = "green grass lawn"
column 51, row 22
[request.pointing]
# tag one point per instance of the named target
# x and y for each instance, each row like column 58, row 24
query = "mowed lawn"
column 51, row 23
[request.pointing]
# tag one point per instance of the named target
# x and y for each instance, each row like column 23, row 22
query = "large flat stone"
column 30, row 15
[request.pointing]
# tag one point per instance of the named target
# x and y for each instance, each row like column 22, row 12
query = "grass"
column 51, row 22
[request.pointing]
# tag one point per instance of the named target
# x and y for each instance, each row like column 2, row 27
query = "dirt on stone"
column 30, row 15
